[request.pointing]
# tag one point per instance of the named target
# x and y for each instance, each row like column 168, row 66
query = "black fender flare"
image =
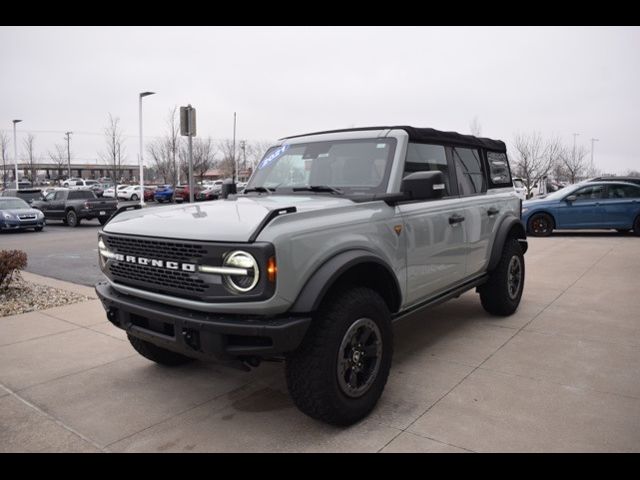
column 328, row 273
column 510, row 225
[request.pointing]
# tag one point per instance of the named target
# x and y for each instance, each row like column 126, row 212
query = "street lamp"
column 593, row 140
column 68, row 135
column 140, row 97
column 15, row 152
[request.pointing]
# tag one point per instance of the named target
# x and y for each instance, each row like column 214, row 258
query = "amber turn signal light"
column 272, row 269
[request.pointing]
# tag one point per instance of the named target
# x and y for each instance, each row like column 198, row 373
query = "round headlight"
column 242, row 260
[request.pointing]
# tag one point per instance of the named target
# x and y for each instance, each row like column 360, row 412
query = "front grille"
column 174, row 251
column 133, row 274
column 27, row 217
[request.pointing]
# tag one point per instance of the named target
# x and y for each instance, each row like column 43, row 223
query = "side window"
column 469, row 173
column 59, row 195
column 623, row 191
column 499, row 173
column 595, row 192
column 50, row 196
column 426, row 158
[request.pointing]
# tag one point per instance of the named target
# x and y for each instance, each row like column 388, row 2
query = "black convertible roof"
column 428, row 135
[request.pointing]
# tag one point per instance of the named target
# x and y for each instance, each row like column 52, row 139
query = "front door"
column 585, row 211
column 434, row 229
column 56, row 206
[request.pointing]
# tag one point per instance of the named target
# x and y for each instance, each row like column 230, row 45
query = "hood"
column 231, row 220
column 535, row 202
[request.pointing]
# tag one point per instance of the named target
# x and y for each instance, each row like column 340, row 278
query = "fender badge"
column 398, row 229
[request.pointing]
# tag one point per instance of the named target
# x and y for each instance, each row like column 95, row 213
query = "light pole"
column 68, row 134
column 593, row 140
column 243, row 146
column 140, row 97
column 15, row 151
column 574, row 145
column 235, row 166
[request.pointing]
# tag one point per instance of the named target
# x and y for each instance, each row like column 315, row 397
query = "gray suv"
column 337, row 235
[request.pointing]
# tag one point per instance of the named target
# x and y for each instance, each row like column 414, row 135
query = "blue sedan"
column 16, row 214
column 588, row 205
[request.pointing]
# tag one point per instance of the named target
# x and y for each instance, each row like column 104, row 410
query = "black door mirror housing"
column 423, row 185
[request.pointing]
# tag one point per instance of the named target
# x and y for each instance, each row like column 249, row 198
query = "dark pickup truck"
column 71, row 206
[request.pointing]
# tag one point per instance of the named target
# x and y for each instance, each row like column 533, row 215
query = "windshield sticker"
column 276, row 153
column 381, row 145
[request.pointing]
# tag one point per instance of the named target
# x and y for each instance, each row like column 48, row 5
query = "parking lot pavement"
column 562, row 374
column 61, row 252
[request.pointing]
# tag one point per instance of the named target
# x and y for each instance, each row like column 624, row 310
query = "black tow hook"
column 191, row 338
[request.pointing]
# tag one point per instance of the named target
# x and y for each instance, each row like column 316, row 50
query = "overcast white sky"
column 288, row 80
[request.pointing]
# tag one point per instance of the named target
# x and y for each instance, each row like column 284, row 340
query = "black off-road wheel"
column 540, row 225
column 502, row 293
column 156, row 354
column 72, row 219
column 339, row 371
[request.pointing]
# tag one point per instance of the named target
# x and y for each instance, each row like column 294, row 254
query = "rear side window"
column 623, row 191
column 427, row 158
column 469, row 174
column 499, row 173
column 80, row 194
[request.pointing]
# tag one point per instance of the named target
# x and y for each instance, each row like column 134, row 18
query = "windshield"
column 14, row 203
column 559, row 194
column 347, row 166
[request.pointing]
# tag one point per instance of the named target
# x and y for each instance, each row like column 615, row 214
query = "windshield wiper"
column 259, row 190
column 319, row 188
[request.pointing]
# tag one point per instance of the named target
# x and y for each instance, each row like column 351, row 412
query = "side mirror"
column 423, row 185
column 571, row 198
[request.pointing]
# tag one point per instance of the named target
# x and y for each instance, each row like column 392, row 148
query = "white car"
column 76, row 183
column 520, row 188
column 132, row 193
column 109, row 191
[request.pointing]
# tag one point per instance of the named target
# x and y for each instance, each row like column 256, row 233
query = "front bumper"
column 6, row 224
column 202, row 335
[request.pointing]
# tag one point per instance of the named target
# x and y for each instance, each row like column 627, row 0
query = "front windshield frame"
column 13, row 204
column 260, row 178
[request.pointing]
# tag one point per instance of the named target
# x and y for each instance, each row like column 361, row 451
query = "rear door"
column 480, row 210
column 620, row 205
column 434, row 229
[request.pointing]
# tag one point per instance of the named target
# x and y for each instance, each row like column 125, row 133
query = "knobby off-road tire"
column 339, row 371
column 502, row 293
column 157, row 354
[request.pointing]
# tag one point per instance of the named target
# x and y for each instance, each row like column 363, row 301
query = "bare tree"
column 204, row 152
column 532, row 160
column 4, row 151
column 632, row 173
column 30, row 156
column 575, row 163
column 114, row 153
column 256, row 150
column 227, row 164
column 475, row 127
column 58, row 156
column 159, row 152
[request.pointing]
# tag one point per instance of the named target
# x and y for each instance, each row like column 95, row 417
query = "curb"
column 61, row 284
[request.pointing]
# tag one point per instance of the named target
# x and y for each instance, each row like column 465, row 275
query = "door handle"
column 492, row 211
column 455, row 219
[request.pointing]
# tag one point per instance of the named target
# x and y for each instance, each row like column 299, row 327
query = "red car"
column 149, row 192
column 182, row 193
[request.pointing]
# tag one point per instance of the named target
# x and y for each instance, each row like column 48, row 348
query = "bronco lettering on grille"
column 185, row 267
